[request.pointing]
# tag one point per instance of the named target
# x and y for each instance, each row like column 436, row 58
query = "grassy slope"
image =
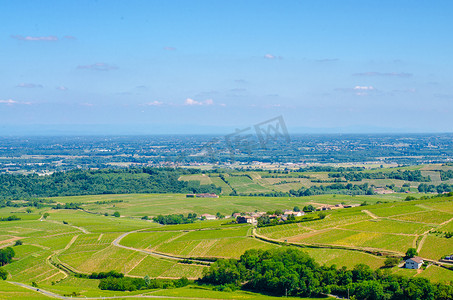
column 396, row 229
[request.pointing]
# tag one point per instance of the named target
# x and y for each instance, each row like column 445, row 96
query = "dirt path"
column 370, row 214
column 73, row 226
column 421, row 243
column 70, row 242
column 446, row 222
column 117, row 241
column 135, row 266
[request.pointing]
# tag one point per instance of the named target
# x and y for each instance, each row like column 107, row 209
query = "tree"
column 6, row 255
column 411, row 252
column 116, row 214
column 18, row 243
column 147, row 280
column 3, row 274
column 391, row 262
column 45, row 215
column 309, row 208
column 29, row 210
column 296, row 209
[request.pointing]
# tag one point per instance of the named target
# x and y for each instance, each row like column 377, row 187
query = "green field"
column 83, row 241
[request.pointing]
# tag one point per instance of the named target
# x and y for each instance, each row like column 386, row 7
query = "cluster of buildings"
column 336, row 206
column 203, row 195
column 252, row 218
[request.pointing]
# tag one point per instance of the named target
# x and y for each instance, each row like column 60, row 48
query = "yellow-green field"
column 86, row 241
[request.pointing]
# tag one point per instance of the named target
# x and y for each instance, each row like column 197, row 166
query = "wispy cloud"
column 29, row 85
column 9, row 102
column 359, row 90
column 62, row 88
column 364, row 88
column 271, row 56
column 170, row 48
column 50, row 38
column 98, row 67
column 13, row 102
column 69, row 37
column 192, row 102
column 380, row 74
column 154, row 103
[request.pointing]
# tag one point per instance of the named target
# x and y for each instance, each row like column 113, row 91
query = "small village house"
column 414, row 263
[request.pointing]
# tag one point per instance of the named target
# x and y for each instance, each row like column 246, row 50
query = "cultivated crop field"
column 81, row 241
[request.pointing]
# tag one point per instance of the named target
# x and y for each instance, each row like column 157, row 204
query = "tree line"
column 406, row 175
column 175, row 219
column 291, row 272
column 133, row 284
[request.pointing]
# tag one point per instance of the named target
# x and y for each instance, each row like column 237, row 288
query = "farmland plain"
column 61, row 243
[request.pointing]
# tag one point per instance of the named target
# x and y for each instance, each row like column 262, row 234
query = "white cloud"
column 364, row 88
column 62, row 88
column 270, row 56
column 192, row 102
column 13, row 102
column 170, row 48
column 9, row 102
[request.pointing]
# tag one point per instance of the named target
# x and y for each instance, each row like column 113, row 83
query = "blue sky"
column 209, row 66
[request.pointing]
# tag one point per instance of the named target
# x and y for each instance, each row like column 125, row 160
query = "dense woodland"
column 401, row 175
column 289, row 271
column 95, row 182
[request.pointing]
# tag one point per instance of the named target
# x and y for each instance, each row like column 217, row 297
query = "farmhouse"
column 294, row 213
column 246, row 219
column 208, row 217
column 414, row 263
